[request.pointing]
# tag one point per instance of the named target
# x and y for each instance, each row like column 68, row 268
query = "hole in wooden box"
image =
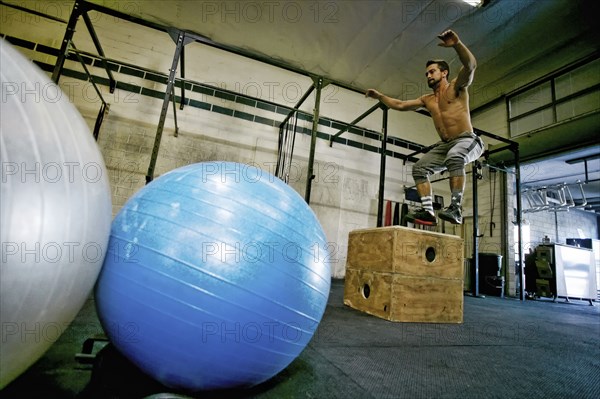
column 366, row 291
column 430, row 254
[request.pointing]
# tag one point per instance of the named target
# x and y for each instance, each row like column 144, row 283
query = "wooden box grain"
column 406, row 275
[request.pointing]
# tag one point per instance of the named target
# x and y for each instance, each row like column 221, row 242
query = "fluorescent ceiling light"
column 477, row 3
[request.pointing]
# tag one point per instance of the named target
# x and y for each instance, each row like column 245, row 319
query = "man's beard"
column 432, row 83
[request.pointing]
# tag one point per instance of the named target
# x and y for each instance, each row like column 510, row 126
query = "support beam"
column 515, row 150
column 104, row 108
column 298, row 104
column 500, row 149
column 420, row 151
column 94, row 36
column 78, row 9
column 319, row 83
column 182, row 74
column 384, row 131
column 176, row 134
column 475, row 265
column 87, row 71
column 354, row 122
column 480, row 132
column 281, row 140
column 180, row 42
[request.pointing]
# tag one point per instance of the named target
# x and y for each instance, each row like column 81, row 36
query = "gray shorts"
column 450, row 155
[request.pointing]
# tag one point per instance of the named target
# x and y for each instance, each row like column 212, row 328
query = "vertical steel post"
column 475, row 265
column 319, row 84
column 176, row 134
column 182, row 79
column 165, row 106
column 99, row 119
column 382, row 166
column 78, row 9
column 515, row 149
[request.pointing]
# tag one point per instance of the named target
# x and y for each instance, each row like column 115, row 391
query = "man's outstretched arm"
column 393, row 103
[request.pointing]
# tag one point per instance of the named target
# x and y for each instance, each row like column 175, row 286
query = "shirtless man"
column 459, row 146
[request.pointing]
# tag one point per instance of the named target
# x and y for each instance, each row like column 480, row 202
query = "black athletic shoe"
column 421, row 216
column 451, row 214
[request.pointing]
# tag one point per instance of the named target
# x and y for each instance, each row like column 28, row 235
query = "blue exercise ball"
column 216, row 277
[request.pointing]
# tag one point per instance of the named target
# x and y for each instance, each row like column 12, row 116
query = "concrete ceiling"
column 384, row 44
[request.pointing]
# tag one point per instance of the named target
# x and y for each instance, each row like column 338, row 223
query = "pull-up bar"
column 383, row 151
column 354, row 122
column 298, row 105
column 420, row 151
column 384, row 137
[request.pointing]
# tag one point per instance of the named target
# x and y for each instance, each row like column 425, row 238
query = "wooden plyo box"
column 407, row 275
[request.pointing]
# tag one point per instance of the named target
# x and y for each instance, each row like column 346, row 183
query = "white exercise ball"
column 56, row 213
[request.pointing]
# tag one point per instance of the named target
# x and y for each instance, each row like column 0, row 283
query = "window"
column 577, row 80
column 572, row 92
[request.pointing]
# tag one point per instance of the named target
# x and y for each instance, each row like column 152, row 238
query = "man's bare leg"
column 424, row 189
column 453, row 213
column 426, row 215
column 457, row 188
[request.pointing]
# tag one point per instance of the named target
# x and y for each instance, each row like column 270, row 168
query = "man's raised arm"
column 467, row 71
